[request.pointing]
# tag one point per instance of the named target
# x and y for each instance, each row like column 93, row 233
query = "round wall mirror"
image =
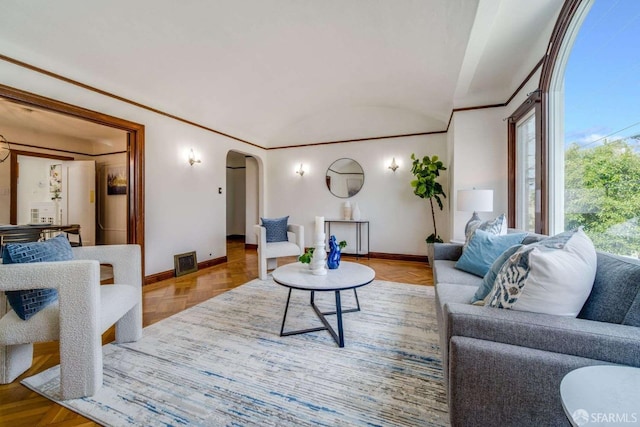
column 345, row 178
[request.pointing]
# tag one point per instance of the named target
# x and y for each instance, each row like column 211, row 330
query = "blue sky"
column 602, row 79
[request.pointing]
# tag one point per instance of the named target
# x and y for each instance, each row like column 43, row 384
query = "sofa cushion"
column 444, row 271
column 483, row 249
column 615, row 297
column 276, row 229
column 489, row 278
column 28, row 302
column 554, row 276
column 497, row 225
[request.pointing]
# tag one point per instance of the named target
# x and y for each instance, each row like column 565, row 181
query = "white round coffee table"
column 348, row 276
column 602, row 395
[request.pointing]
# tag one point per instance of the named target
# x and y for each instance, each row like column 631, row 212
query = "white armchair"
column 268, row 253
column 83, row 311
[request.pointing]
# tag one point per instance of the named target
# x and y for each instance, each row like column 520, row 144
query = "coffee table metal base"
column 339, row 336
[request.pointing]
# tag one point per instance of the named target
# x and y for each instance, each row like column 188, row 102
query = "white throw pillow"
column 553, row 276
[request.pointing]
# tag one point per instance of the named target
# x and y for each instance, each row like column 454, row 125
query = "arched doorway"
column 242, row 196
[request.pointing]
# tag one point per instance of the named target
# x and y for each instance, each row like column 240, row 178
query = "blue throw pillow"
column 484, row 248
column 276, row 229
column 490, row 277
column 29, row 302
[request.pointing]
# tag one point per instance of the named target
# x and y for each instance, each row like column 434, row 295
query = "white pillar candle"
column 319, row 225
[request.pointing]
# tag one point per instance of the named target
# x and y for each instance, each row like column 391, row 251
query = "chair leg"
column 14, row 360
column 262, row 268
column 129, row 327
column 272, row 263
column 80, row 371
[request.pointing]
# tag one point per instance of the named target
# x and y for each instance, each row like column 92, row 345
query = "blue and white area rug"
column 223, row 363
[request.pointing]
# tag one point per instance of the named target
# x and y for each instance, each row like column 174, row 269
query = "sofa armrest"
column 578, row 337
column 447, row 251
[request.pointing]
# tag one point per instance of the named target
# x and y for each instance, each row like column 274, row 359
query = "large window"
column 594, row 126
column 526, row 167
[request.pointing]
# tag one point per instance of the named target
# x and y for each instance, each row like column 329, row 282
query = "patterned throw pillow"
column 29, row 302
column 276, row 229
column 489, row 279
column 553, row 276
column 495, row 226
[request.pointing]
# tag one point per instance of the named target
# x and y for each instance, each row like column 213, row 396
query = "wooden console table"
column 358, row 224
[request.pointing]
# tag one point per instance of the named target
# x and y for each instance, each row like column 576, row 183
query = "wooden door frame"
column 533, row 102
column 135, row 152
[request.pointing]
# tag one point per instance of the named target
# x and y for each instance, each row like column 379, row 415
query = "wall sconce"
column 300, row 170
column 192, row 158
column 393, row 166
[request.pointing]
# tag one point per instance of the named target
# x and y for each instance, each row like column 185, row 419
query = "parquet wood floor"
column 19, row 406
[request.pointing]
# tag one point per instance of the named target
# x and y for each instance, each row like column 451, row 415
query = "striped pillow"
column 29, row 302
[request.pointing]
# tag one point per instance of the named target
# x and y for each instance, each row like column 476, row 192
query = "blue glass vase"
column 333, row 261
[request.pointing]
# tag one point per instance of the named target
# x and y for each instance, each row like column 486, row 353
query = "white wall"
column 399, row 221
column 184, row 211
column 477, row 141
column 480, row 152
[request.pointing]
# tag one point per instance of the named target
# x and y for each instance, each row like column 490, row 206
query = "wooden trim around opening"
column 135, row 151
column 532, row 102
column 58, row 150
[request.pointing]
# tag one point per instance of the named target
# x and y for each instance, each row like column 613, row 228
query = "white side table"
column 603, row 395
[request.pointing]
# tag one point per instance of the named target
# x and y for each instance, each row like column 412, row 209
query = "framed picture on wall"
column 116, row 180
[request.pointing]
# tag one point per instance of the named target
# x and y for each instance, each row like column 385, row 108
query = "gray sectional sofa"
column 504, row 367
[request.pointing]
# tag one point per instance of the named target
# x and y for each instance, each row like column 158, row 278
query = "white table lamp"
column 475, row 201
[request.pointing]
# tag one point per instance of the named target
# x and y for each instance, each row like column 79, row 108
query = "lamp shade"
column 475, row 200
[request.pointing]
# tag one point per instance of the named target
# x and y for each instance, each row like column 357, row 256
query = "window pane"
column 526, row 173
column 602, row 128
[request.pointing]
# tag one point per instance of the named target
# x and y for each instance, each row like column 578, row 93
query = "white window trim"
column 555, row 131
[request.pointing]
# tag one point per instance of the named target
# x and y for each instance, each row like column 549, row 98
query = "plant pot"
column 430, row 252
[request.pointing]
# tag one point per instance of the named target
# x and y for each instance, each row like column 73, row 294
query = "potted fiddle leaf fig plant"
column 426, row 172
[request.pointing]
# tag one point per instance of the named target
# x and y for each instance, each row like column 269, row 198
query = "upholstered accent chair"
column 269, row 252
column 83, row 311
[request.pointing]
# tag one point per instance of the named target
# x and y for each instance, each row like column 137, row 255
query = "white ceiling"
column 38, row 122
column 283, row 72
